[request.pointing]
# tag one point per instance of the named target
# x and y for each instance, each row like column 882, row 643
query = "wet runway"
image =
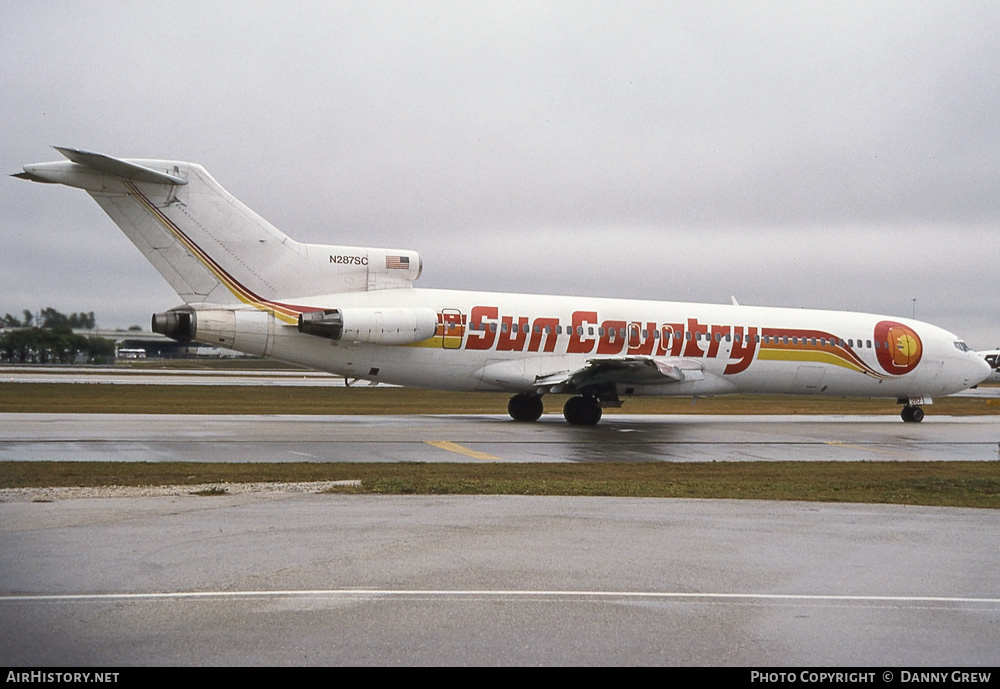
column 284, row 579
column 487, row 438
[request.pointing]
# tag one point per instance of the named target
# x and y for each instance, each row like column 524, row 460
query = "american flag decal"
column 397, row 262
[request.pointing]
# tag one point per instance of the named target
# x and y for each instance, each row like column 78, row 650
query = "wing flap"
column 629, row 370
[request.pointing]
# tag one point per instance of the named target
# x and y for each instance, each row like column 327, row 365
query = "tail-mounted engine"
column 245, row 330
column 177, row 324
column 389, row 326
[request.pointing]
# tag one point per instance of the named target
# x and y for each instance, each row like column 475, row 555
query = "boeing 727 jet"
column 353, row 311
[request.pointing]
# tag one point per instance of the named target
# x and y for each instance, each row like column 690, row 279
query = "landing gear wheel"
column 582, row 411
column 912, row 414
column 522, row 407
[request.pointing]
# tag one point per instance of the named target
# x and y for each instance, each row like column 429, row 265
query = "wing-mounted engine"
column 388, row 326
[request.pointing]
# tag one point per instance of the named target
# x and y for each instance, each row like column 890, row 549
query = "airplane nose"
column 979, row 371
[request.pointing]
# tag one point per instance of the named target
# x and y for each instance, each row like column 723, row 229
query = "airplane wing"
column 635, row 370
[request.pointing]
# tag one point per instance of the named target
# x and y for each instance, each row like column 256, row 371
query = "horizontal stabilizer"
column 30, row 176
column 117, row 167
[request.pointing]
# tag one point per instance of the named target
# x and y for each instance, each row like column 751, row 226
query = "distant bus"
column 126, row 353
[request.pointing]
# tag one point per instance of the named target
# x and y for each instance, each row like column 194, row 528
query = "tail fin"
column 208, row 245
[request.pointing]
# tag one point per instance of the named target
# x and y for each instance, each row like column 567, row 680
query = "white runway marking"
column 394, row 593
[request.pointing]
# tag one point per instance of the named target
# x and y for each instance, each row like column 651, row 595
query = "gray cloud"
column 838, row 155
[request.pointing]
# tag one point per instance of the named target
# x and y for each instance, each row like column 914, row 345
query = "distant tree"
column 51, row 319
column 51, row 339
column 100, row 350
column 16, row 346
column 135, row 328
column 82, row 320
column 55, row 320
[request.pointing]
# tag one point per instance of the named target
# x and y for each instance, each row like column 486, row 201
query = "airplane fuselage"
column 509, row 342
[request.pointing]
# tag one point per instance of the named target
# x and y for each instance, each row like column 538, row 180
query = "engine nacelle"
column 245, row 330
column 177, row 324
column 388, row 326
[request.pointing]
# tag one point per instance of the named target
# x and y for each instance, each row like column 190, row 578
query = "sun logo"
column 898, row 347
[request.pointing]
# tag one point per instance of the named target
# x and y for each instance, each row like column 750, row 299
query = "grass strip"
column 952, row 484
column 53, row 398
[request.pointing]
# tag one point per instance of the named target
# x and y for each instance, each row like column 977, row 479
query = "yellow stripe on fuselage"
column 811, row 355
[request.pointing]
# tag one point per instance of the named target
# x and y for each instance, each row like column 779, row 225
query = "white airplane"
column 992, row 358
column 354, row 311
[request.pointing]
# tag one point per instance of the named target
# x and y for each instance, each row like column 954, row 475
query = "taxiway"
column 428, row 438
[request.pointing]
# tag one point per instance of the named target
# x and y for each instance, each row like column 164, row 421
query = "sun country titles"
column 898, row 347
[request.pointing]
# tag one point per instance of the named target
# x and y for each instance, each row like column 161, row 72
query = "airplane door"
column 452, row 328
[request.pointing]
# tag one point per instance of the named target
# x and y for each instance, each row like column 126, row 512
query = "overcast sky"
column 823, row 155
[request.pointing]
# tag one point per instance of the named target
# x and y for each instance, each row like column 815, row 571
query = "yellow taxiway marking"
column 460, row 449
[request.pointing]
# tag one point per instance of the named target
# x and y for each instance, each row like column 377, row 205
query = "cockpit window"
column 961, row 346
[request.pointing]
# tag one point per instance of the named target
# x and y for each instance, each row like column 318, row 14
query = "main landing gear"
column 912, row 414
column 582, row 410
column 522, row 407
